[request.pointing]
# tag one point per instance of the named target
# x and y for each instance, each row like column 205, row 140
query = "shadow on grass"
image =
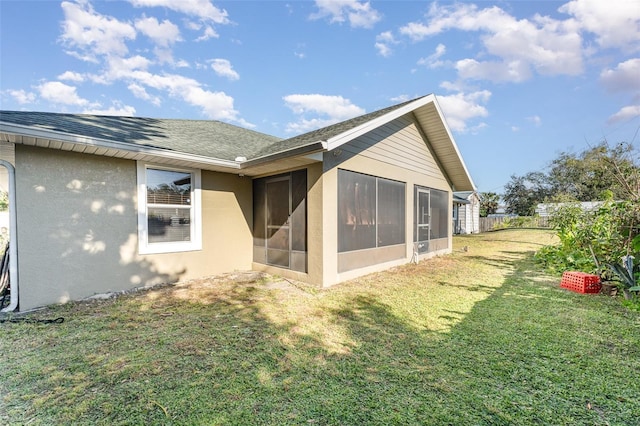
column 236, row 353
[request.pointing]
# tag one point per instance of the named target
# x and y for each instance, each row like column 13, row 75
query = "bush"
column 590, row 239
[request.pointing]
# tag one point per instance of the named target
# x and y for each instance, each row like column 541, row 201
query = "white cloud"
column 359, row 14
column 93, row 34
column 625, row 114
column 433, row 61
column 121, row 68
column 107, row 42
column 452, row 86
column 300, row 51
column 22, row 97
column 461, row 107
column 514, row 71
column 383, row 43
column 223, row 68
column 615, row 24
column 401, row 98
column 60, row 93
column 332, row 109
column 209, row 32
column 202, row 9
column 624, row 78
column 139, row 92
column 71, row 76
column 515, row 47
column 116, row 110
column 535, row 119
column 214, row 105
column 163, row 34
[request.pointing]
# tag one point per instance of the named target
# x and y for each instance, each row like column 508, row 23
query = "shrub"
column 590, row 239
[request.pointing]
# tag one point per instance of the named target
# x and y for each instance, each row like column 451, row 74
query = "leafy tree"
column 597, row 174
column 586, row 176
column 489, row 202
column 523, row 193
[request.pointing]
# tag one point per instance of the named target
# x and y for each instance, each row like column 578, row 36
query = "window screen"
column 431, row 216
column 280, row 220
column 439, row 214
column 391, row 212
column 371, row 211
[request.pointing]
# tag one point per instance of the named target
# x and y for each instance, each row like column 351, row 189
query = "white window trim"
column 144, row 247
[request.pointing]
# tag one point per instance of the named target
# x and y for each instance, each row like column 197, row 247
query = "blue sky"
column 518, row 81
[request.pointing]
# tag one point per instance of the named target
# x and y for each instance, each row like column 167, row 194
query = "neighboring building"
column 466, row 212
column 105, row 204
column 547, row 209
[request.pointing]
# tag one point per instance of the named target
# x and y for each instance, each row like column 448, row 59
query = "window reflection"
column 169, row 200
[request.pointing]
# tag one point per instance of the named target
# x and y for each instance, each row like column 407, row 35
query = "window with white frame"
column 169, row 218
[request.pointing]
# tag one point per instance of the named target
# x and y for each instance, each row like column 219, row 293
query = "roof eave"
column 160, row 153
column 310, row 148
column 344, row 137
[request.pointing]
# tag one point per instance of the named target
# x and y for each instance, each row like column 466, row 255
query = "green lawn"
column 478, row 337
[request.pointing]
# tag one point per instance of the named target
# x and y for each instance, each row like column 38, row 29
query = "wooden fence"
column 493, row 223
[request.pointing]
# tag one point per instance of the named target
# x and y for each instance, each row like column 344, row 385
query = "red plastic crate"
column 581, row 282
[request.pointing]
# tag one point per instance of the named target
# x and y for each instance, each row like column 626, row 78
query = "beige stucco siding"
column 226, row 231
column 77, row 228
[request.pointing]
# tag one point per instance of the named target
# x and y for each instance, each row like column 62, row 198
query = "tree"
column 586, row 176
column 523, row 193
column 597, row 174
column 488, row 203
column 624, row 166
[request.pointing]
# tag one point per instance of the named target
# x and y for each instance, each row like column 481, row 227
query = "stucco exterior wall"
column 77, row 228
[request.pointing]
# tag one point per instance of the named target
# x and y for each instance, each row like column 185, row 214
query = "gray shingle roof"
column 328, row 132
column 216, row 145
column 207, row 138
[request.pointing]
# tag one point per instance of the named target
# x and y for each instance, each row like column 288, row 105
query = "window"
column 168, row 209
column 371, row 212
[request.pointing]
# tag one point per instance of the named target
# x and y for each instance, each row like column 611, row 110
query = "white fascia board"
column 316, row 156
column 338, row 140
column 304, row 150
column 29, row 131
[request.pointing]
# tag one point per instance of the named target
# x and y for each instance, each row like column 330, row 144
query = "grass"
column 478, row 337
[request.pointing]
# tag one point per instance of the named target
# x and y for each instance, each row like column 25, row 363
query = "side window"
column 169, row 218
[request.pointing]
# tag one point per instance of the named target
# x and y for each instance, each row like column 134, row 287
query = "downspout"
column 13, row 240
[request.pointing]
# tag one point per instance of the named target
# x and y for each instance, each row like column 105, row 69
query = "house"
column 104, row 204
column 466, row 212
column 548, row 209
